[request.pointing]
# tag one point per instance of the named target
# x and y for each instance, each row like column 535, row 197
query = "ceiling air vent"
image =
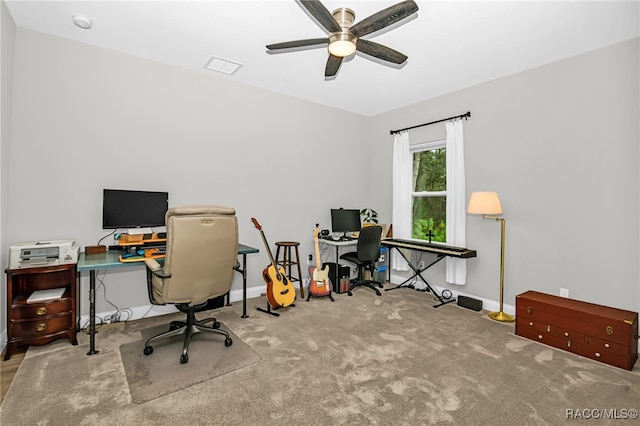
column 222, row 65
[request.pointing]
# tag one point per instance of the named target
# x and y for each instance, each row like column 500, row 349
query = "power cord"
column 111, row 233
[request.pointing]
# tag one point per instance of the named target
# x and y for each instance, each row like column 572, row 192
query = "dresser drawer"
column 603, row 356
column 42, row 327
column 605, row 345
column 546, row 338
column 40, row 310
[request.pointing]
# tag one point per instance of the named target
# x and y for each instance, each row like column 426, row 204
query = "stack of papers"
column 40, row 295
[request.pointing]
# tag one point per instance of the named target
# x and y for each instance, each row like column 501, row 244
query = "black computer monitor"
column 133, row 209
column 345, row 220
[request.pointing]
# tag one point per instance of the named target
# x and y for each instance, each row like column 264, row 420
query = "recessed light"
column 82, row 21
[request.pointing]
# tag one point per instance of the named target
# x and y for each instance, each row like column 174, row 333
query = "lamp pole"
column 500, row 315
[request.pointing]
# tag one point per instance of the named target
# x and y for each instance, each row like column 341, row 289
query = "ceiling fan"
column 345, row 38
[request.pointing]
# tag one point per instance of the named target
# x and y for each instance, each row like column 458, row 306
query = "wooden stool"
column 288, row 261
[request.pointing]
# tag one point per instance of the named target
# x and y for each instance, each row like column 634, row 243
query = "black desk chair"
column 366, row 257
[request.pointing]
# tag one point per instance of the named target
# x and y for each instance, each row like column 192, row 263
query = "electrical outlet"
column 564, row 292
column 310, row 259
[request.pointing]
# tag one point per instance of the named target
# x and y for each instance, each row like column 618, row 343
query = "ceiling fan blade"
column 297, row 43
column 384, row 18
column 333, row 65
column 324, row 17
column 379, row 51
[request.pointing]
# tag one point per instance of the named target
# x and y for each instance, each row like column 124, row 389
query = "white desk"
column 337, row 244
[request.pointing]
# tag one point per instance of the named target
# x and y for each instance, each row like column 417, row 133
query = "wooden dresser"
column 41, row 322
column 598, row 332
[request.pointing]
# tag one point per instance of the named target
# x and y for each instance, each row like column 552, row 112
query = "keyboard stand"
column 417, row 272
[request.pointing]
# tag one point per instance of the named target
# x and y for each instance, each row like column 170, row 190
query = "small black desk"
column 110, row 260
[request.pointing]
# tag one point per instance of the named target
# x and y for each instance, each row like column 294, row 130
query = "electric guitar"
column 320, row 284
column 280, row 291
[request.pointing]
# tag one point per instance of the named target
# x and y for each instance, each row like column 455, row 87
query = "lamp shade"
column 484, row 203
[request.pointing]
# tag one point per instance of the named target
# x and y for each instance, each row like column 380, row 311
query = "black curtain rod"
column 467, row 115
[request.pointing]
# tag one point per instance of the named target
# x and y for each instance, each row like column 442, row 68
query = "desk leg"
column 92, row 313
column 243, row 270
column 244, row 286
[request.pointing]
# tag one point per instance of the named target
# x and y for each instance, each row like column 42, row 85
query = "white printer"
column 34, row 254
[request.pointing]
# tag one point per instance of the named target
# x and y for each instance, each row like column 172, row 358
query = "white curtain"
column 402, row 175
column 456, row 269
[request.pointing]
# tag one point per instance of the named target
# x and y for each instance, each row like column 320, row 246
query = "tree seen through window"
column 429, row 193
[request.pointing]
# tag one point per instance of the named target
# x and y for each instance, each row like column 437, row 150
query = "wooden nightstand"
column 41, row 322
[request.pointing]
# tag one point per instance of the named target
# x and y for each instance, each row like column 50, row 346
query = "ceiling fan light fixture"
column 342, row 44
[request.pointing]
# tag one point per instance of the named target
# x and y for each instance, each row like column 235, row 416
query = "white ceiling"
column 450, row 44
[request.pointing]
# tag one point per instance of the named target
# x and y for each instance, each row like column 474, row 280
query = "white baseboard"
column 148, row 311
column 487, row 304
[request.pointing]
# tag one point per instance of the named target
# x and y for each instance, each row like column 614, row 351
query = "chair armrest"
column 155, row 268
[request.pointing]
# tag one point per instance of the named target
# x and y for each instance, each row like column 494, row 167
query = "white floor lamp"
column 488, row 205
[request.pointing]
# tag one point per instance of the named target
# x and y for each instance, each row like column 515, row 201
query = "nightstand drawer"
column 42, row 327
column 41, row 310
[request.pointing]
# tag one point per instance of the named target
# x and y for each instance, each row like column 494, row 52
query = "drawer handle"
column 529, row 310
column 606, row 345
column 41, row 327
column 609, row 330
column 566, row 334
column 531, row 323
column 597, row 354
column 540, row 336
column 41, row 311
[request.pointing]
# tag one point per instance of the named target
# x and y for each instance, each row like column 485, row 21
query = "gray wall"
column 86, row 118
column 559, row 143
column 7, row 31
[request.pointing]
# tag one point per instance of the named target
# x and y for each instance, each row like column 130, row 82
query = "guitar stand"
column 270, row 312
column 418, row 273
column 330, row 295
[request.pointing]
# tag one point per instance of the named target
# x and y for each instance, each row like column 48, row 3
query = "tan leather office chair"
column 200, row 257
column 368, row 252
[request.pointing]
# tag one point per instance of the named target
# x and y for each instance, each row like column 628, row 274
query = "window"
column 429, row 191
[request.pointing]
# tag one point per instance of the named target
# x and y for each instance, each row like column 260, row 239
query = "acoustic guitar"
column 320, row 284
column 280, row 291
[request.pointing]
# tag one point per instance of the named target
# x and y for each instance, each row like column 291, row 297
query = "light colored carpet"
column 161, row 373
column 361, row 360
